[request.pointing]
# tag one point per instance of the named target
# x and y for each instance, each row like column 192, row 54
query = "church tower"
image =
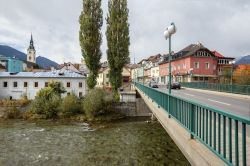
column 31, row 52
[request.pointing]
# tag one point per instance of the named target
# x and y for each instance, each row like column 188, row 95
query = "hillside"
column 42, row 62
column 243, row 60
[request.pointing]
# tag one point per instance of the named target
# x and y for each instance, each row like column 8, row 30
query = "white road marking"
column 218, row 102
column 188, row 94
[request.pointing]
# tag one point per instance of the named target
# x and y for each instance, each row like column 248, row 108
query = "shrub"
column 71, row 105
column 12, row 113
column 14, row 103
column 45, row 92
column 46, row 105
column 97, row 102
column 57, row 87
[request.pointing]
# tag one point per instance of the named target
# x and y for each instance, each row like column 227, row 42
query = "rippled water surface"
column 75, row 144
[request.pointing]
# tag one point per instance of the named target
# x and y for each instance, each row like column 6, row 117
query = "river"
column 52, row 143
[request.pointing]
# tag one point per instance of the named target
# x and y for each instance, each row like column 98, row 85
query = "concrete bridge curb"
column 195, row 152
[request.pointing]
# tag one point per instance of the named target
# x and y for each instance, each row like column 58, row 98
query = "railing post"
column 169, row 115
column 192, row 121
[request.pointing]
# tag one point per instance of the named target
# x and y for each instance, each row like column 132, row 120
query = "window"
column 195, row 78
column 5, row 84
column 184, row 66
column 25, row 84
column 80, row 84
column 201, row 78
column 163, row 79
column 68, row 84
column 196, row 65
column 15, row 84
column 207, row 65
column 80, row 94
column 35, row 84
column 206, row 78
column 179, row 67
column 46, row 84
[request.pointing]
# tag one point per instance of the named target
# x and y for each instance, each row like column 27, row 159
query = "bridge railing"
column 223, row 133
column 234, row 88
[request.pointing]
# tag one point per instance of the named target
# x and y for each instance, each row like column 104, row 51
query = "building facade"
column 11, row 64
column 149, row 69
column 103, row 77
column 16, row 85
column 195, row 63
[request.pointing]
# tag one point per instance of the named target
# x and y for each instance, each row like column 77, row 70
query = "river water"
column 127, row 142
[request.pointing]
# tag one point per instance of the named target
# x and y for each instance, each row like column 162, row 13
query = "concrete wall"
column 133, row 109
column 127, row 96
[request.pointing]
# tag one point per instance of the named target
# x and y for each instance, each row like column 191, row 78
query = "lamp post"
column 232, row 63
column 232, row 68
column 191, row 74
column 168, row 33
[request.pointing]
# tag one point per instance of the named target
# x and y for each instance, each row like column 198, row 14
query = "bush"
column 71, row 105
column 14, row 103
column 12, row 113
column 46, row 105
column 97, row 102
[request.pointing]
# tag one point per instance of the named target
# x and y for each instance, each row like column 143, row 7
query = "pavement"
column 236, row 104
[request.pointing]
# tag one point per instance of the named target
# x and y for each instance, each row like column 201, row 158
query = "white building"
column 15, row 85
column 155, row 73
column 103, row 77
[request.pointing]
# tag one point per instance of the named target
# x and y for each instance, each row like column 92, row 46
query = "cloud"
column 218, row 24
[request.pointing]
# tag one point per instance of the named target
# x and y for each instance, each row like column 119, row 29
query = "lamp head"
column 172, row 28
column 166, row 34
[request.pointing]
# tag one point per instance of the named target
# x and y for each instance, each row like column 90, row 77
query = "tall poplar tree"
column 118, row 40
column 90, row 37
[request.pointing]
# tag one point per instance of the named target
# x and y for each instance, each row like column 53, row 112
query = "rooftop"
column 50, row 74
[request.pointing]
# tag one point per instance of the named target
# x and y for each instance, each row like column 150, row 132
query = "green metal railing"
column 234, row 88
column 216, row 129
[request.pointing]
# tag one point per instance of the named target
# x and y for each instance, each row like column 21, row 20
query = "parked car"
column 175, row 85
column 153, row 84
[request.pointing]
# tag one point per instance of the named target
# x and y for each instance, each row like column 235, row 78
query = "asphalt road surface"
column 239, row 106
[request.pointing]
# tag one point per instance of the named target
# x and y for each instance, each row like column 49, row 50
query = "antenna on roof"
column 134, row 60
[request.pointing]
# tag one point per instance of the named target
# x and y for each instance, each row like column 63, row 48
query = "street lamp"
column 191, row 73
column 232, row 68
column 232, row 63
column 168, row 33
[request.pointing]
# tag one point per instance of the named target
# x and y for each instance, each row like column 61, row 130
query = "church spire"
column 31, row 42
column 31, row 52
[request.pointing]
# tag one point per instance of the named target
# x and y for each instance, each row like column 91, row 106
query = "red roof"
column 217, row 54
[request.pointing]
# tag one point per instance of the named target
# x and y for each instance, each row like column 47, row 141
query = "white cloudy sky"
column 222, row 25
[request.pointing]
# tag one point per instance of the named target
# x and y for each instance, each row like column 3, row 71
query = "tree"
column 226, row 75
column 91, row 38
column 118, row 40
column 57, row 87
